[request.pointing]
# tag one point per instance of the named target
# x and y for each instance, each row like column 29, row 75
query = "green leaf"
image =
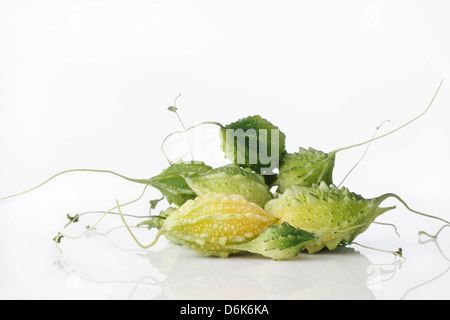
column 58, row 238
column 171, row 182
column 255, row 143
column 172, row 108
column 154, row 203
column 73, row 219
column 279, row 242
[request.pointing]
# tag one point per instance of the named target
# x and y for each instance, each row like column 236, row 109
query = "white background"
column 86, row 84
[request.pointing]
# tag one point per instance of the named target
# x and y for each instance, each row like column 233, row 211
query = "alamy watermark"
column 258, row 149
column 252, row 148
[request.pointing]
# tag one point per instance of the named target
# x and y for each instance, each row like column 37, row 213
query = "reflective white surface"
column 84, row 86
column 110, row 267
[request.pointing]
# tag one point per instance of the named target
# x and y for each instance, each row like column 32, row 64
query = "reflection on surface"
column 307, row 277
column 433, row 278
column 341, row 274
column 174, row 272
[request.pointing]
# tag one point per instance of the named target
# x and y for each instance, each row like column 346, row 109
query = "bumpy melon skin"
column 337, row 216
column 231, row 179
column 209, row 224
column 305, row 168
